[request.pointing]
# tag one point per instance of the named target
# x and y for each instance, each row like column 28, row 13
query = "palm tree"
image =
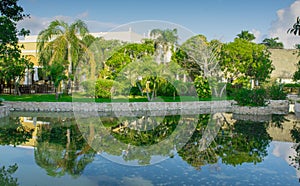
column 246, row 35
column 296, row 27
column 62, row 41
column 272, row 43
column 164, row 41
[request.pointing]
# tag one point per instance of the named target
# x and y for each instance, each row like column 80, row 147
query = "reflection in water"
column 61, row 147
column 6, row 177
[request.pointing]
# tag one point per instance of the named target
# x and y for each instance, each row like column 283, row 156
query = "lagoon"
column 196, row 149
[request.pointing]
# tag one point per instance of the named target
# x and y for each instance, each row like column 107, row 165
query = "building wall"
column 285, row 61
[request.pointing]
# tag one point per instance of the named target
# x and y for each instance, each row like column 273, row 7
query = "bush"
column 135, row 91
column 202, row 87
column 291, row 85
column 103, row 88
column 247, row 97
column 89, row 87
column 275, row 92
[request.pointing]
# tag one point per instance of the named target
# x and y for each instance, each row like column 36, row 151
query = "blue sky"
column 216, row 19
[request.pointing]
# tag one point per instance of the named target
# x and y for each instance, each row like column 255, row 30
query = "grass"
column 68, row 98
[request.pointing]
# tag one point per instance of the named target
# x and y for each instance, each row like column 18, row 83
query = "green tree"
column 296, row 28
column 12, row 63
column 62, row 149
column 61, row 41
column 164, row 41
column 246, row 35
column 57, row 74
column 126, row 55
column 242, row 61
column 273, row 43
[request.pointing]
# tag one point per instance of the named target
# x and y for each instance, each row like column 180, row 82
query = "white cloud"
column 37, row 24
column 257, row 34
column 285, row 19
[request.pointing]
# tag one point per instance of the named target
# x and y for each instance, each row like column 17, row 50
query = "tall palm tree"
column 273, row 43
column 246, row 35
column 164, row 41
column 296, row 27
column 62, row 41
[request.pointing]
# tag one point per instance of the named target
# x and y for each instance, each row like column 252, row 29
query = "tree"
column 246, row 35
column 205, row 55
column 242, row 61
column 12, row 63
column 61, row 41
column 164, row 41
column 296, row 28
column 57, row 75
column 272, row 43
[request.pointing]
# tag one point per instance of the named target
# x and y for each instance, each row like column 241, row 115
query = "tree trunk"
column 70, row 68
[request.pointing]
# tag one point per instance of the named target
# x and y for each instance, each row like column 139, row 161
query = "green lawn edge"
column 68, row 98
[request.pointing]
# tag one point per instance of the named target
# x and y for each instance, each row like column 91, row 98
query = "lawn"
column 68, row 98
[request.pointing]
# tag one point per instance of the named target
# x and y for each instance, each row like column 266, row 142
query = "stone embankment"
column 140, row 108
column 4, row 111
column 108, row 107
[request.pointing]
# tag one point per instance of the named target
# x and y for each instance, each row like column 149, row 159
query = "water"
column 218, row 149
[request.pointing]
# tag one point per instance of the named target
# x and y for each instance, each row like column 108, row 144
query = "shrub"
column 89, row 87
column 202, row 87
column 135, row 91
column 247, row 97
column 275, row 92
column 103, row 88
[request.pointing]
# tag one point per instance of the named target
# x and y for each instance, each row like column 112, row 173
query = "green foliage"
column 105, row 88
column 296, row 75
column 291, row 85
column 247, row 97
column 275, row 92
column 126, row 55
column 61, row 41
column 246, row 35
column 202, row 87
column 89, row 87
column 14, row 133
column 6, row 178
column 57, row 73
column 12, row 63
column 272, row 43
column 243, row 61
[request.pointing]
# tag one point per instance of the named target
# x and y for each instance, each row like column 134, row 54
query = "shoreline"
column 200, row 107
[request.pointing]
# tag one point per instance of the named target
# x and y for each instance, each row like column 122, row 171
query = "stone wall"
column 153, row 108
column 108, row 107
column 4, row 111
column 273, row 107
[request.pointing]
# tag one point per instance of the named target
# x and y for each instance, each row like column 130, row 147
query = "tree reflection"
column 61, row 148
column 14, row 133
column 248, row 143
column 6, row 178
column 243, row 141
column 295, row 133
column 138, row 139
